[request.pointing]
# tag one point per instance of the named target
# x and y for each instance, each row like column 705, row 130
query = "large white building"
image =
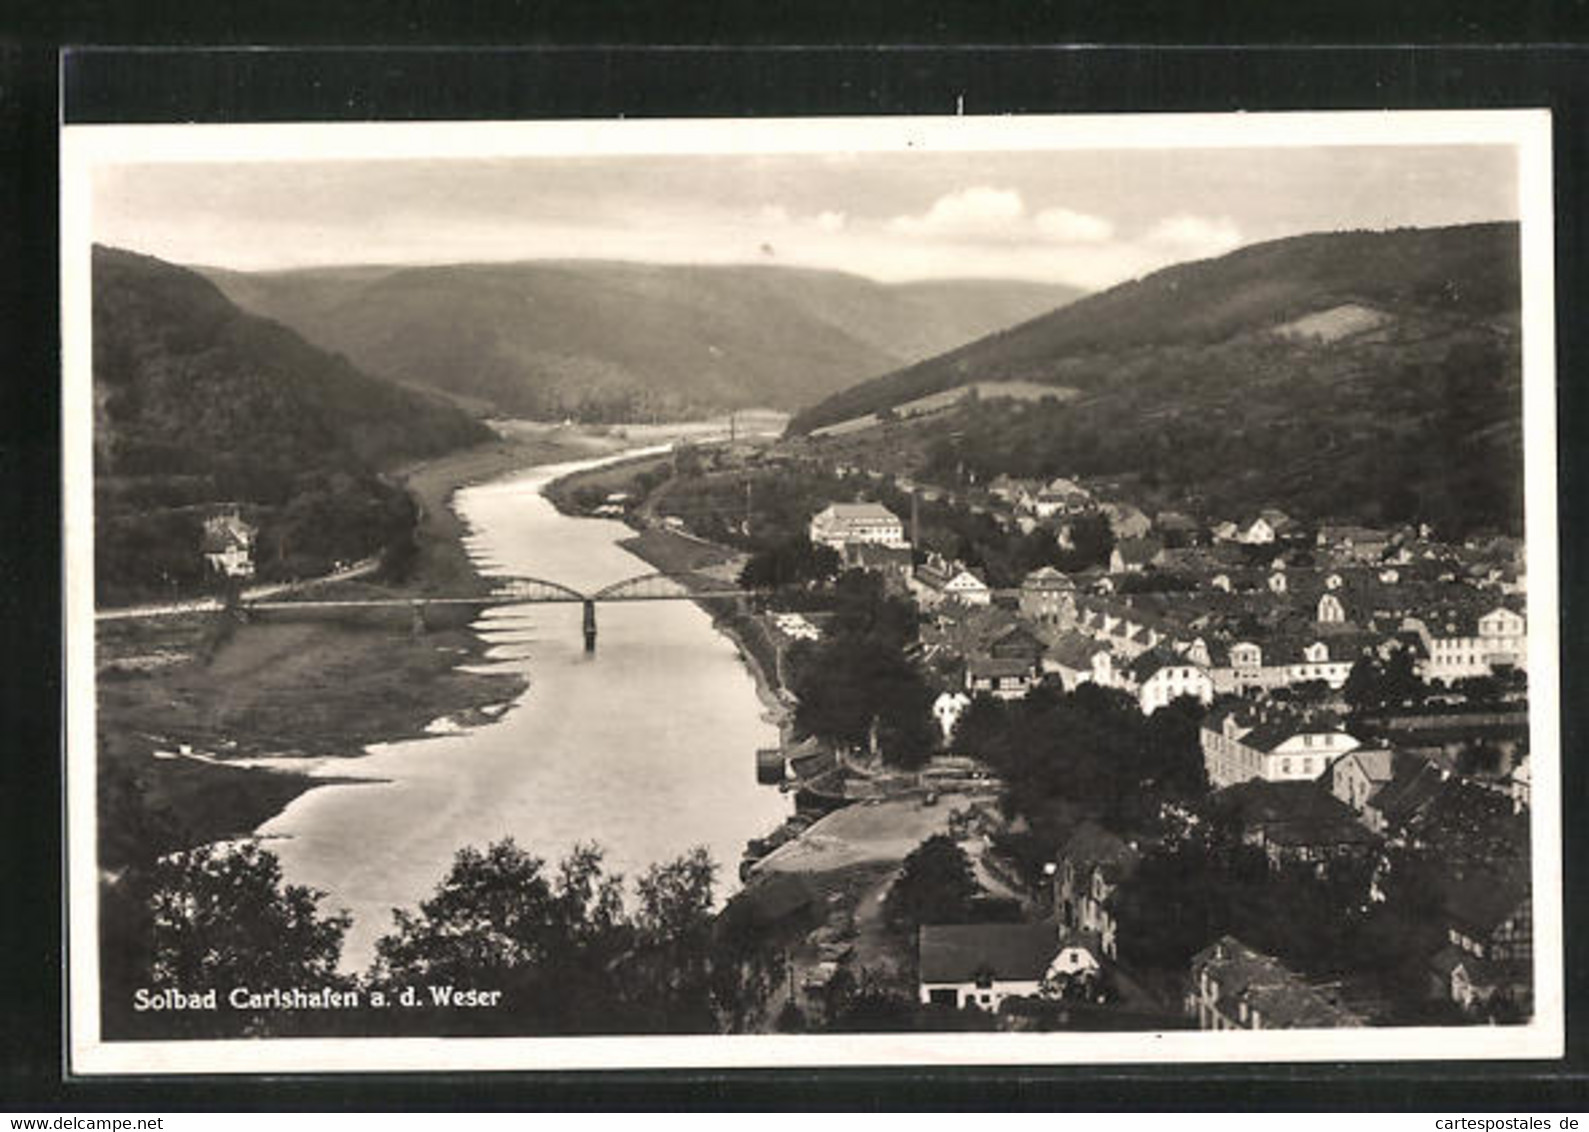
column 1461, row 644
column 847, row 524
column 1238, row 746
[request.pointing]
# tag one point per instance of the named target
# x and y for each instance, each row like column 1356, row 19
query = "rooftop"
column 1282, row 999
column 857, row 512
column 959, row 953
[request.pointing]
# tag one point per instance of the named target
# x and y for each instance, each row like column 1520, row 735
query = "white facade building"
column 843, row 524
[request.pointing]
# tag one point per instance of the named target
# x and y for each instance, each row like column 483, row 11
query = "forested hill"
column 618, row 340
column 1372, row 374
column 198, row 403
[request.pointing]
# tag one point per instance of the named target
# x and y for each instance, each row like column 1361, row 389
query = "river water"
column 646, row 747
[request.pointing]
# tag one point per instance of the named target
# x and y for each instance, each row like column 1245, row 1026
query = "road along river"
column 646, row 747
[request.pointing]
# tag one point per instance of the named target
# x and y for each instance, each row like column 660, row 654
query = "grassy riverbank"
column 320, row 688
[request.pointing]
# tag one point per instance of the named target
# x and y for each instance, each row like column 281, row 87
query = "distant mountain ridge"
column 198, row 404
column 619, row 340
column 1463, row 272
column 1374, row 375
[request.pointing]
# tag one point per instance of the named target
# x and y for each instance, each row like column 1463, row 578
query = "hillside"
column 612, row 340
column 1358, row 374
column 197, row 403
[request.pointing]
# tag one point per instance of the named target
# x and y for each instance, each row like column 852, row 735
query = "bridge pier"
column 416, row 626
column 590, row 625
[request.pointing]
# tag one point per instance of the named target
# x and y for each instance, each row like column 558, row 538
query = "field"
column 949, row 398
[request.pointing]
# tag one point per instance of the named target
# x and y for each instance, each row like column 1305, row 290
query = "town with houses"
column 1358, row 698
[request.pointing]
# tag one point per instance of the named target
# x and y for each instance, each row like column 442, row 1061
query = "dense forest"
column 612, row 341
column 197, row 404
column 1367, row 376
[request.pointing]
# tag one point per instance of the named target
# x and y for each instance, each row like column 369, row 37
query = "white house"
column 1158, row 676
column 1461, row 644
column 1238, row 746
column 841, row 524
column 937, row 581
column 981, row 965
column 228, row 545
column 947, row 709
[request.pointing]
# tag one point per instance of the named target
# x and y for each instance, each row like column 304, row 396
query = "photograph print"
column 811, row 592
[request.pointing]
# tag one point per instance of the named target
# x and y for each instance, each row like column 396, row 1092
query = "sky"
column 1088, row 218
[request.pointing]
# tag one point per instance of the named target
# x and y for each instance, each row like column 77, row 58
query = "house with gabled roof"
column 1092, row 865
column 1488, row 956
column 1236, row 987
column 1159, row 676
column 939, row 580
column 1267, row 526
column 839, row 524
column 1008, row 667
column 228, row 544
column 1048, row 595
column 1127, row 521
column 1353, row 543
column 1293, row 822
column 1473, row 637
column 1070, row 656
column 1060, row 496
column 1241, row 742
column 1133, row 555
column 981, row 965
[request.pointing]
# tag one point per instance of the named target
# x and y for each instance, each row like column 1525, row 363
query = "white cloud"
column 1069, row 227
column 995, row 215
column 1194, row 237
column 829, row 221
column 978, row 211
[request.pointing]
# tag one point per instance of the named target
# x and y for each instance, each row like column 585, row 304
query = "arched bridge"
column 655, row 586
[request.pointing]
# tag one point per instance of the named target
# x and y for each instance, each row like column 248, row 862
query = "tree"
column 1375, row 684
column 221, row 918
column 499, row 920
column 850, row 686
column 792, row 562
column 669, row 974
column 562, row 948
column 1481, row 759
column 1091, row 541
column 862, row 608
column 935, row 886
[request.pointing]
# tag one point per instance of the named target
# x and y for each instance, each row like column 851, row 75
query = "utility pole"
column 915, row 518
column 747, row 506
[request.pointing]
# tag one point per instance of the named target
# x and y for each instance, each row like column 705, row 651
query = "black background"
column 736, row 78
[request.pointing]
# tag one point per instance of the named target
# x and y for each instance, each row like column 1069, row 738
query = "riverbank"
column 701, row 565
column 299, row 690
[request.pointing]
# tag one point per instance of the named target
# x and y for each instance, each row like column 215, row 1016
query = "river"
column 646, row 747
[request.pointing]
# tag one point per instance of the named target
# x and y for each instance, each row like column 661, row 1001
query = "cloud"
column 986, row 213
column 1068, row 227
column 1194, row 237
column 980, row 211
column 829, row 221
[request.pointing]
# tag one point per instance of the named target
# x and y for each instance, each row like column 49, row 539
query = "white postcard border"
column 86, row 148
